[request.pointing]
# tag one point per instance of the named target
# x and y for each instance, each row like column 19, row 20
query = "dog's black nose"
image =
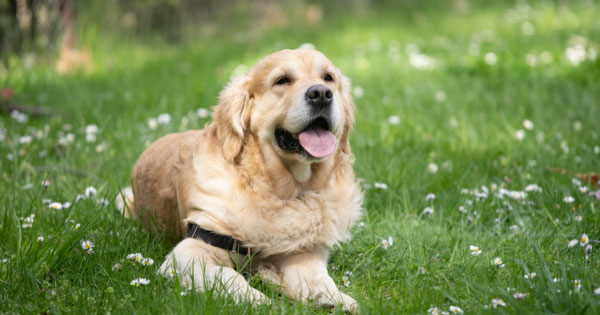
column 319, row 95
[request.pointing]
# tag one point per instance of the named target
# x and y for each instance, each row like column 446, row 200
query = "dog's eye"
column 282, row 80
column 328, row 77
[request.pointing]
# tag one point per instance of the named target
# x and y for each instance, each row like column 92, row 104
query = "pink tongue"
column 318, row 142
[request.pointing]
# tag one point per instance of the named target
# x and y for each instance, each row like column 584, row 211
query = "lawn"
column 475, row 126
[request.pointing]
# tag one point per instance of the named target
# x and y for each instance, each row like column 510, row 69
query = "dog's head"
column 296, row 103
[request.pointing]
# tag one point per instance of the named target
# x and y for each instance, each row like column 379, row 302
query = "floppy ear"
column 349, row 109
column 232, row 117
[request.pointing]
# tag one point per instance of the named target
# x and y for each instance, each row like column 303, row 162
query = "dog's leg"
column 304, row 277
column 205, row 267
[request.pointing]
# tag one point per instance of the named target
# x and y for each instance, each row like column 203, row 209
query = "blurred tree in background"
column 46, row 25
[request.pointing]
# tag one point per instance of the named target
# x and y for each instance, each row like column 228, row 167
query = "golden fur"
column 233, row 179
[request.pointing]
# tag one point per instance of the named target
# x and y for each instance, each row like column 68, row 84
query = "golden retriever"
column 272, row 171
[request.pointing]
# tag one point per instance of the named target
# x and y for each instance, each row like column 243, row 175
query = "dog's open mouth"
column 316, row 140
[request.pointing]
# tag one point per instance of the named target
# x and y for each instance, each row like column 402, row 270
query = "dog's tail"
column 125, row 202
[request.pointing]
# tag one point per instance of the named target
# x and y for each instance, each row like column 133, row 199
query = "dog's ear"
column 349, row 109
column 232, row 116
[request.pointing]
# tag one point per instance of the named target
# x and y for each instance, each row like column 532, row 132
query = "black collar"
column 218, row 240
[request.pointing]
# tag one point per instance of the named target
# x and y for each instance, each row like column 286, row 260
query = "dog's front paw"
column 330, row 300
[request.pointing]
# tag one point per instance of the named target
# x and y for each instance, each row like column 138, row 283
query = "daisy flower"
column 429, row 197
column 498, row 302
column 597, row 291
column 203, row 112
column 577, row 284
column 578, row 218
column 358, row 92
column 56, row 206
column 183, row 293
column 135, row 257
column 40, row 238
column 433, row 311
column 520, row 296
column 584, row 240
column 116, row 267
column 572, row 243
column 171, row 272
column 346, row 281
column 432, row 168
column 381, row 186
column 520, row 134
column 490, row 58
column 139, row 281
column 87, row 246
column 529, row 275
column 568, row 199
column 385, row 243
column 428, row 211
column 455, row 310
column 394, row 120
column 164, row 119
column 90, row 192
column 147, row 262
column 475, row 251
column 533, row 188
column 583, row 189
column 152, row 123
column 498, row 262
column 527, row 124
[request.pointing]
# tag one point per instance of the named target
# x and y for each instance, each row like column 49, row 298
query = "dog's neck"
column 301, row 171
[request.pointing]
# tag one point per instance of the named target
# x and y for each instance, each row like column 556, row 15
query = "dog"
column 268, row 183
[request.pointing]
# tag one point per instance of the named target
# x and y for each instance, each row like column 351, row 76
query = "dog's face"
column 296, row 103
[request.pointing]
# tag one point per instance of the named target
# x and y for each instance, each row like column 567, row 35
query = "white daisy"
column 56, row 206
column 135, row 257
column 116, row 267
column 90, row 192
column 385, row 243
column 433, row 311
column 358, row 92
column 533, row 188
column 490, row 58
column 584, row 240
column 427, row 211
column 583, row 189
column 87, row 246
column 171, row 272
column 394, row 120
column 573, row 243
column 529, row 275
column 432, row 168
column 577, row 285
column 164, row 119
column 382, row 186
column 498, row 302
column 429, row 197
column 40, row 238
column 520, row 134
column 475, row 251
column 455, row 310
column 25, row 139
column 597, row 291
column 147, row 262
column 568, row 199
column 527, row 124
column 203, row 112
column 498, row 262
column 152, row 123
column 346, row 281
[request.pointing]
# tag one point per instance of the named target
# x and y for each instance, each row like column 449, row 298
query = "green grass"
column 469, row 134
